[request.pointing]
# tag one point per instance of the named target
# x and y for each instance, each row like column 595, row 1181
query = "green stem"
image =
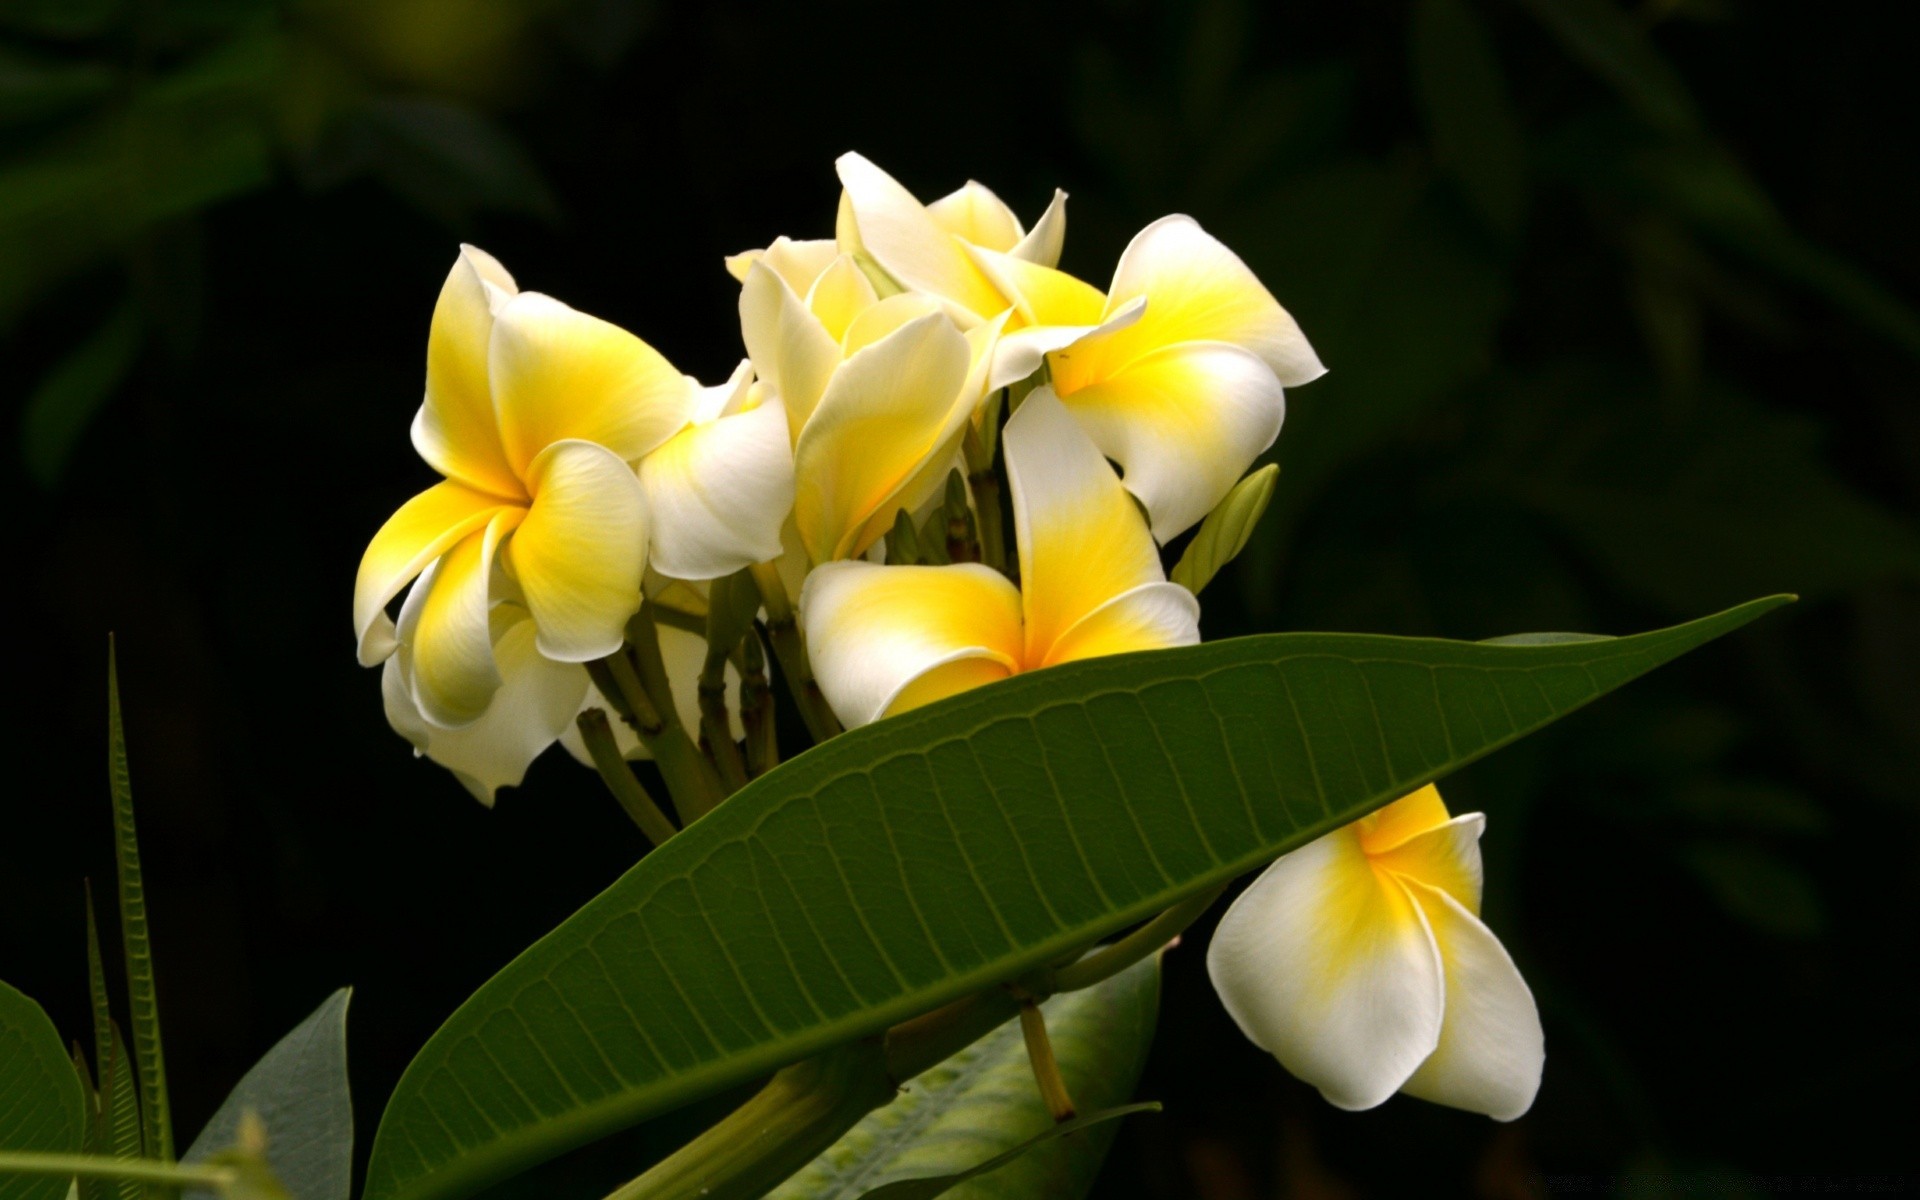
column 783, row 630
column 986, row 504
column 801, row 1111
column 1109, row 960
column 87, row 1166
column 690, row 777
column 597, row 733
column 756, row 706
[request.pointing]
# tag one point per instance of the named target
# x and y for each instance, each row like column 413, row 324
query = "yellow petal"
column 1446, row 858
column 888, row 409
column 1082, row 541
column 1491, row 1049
column 874, row 632
column 839, row 294
column 559, row 374
column 797, row 262
column 899, row 233
column 1184, row 423
column 1020, row 352
column 1152, row 616
column 790, row 349
column 425, row 528
column 1197, row 290
column 717, row 494
column 451, row 640
column 455, row 429
column 535, row 704
column 579, row 557
column 973, row 212
column 1042, row 295
column 1330, row 967
column 1406, row 818
column 881, row 319
column 1048, row 237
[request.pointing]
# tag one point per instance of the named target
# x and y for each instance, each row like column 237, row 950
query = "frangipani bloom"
column 534, row 413
column 1359, row 961
column 885, row 639
column 930, row 248
column 877, row 393
column 535, row 706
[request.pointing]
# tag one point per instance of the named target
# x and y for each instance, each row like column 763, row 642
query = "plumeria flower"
column 928, row 248
column 1178, row 372
column 1359, row 961
column 536, row 705
column 885, row 639
column 877, row 393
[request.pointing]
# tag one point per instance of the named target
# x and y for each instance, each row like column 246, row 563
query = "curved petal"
column 790, row 349
column 423, row 529
column 717, row 494
column 1394, row 824
column 535, row 704
column 580, row 554
column 887, row 409
column 1048, row 237
column 1199, row 291
column 450, row 641
column 1491, row 1049
column 1152, row 616
column 900, row 235
column 559, row 374
column 455, row 430
column 1082, row 542
column 1332, row 970
column 874, row 631
column 1020, row 353
column 1042, row 295
column 1446, row 857
column 796, row 261
column 840, row 294
column 973, row 212
column 1184, row 424
column 885, row 317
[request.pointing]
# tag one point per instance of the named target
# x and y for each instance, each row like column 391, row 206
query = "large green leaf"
column 920, row 859
column 41, row 1108
column 983, row 1102
column 299, row 1092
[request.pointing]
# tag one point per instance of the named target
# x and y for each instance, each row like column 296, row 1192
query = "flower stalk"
column 597, row 733
column 783, row 630
column 1046, row 1068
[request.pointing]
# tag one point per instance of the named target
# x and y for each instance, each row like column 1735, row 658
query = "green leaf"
column 68, row 398
column 983, row 1102
column 923, row 858
column 1463, row 98
column 42, row 1109
column 156, row 1120
column 939, row 1185
column 120, row 1112
column 1223, row 535
column 299, row 1092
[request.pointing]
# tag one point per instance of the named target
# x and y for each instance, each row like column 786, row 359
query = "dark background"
column 1619, row 308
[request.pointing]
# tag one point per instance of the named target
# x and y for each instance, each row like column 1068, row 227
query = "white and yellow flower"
column 877, row 392
column 931, row 248
column 537, row 416
column 885, row 639
column 1360, row 962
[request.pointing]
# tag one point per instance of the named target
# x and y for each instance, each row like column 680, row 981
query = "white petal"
column 535, row 704
column 790, row 348
column 1198, row 290
column 1333, row 971
column 1048, row 237
column 873, row 631
column 1184, row 424
column 718, row 493
column 973, row 212
column 1020, row 353
column 1491, row 1049
column 904, row 238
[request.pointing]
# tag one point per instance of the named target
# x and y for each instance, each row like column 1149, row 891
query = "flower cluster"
column 894, row 374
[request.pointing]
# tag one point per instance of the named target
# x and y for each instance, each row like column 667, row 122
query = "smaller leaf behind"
column 42, row 1108
column 981, row 1106
column 928, row 1187
column 298, row 1090
column 120, row 1113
